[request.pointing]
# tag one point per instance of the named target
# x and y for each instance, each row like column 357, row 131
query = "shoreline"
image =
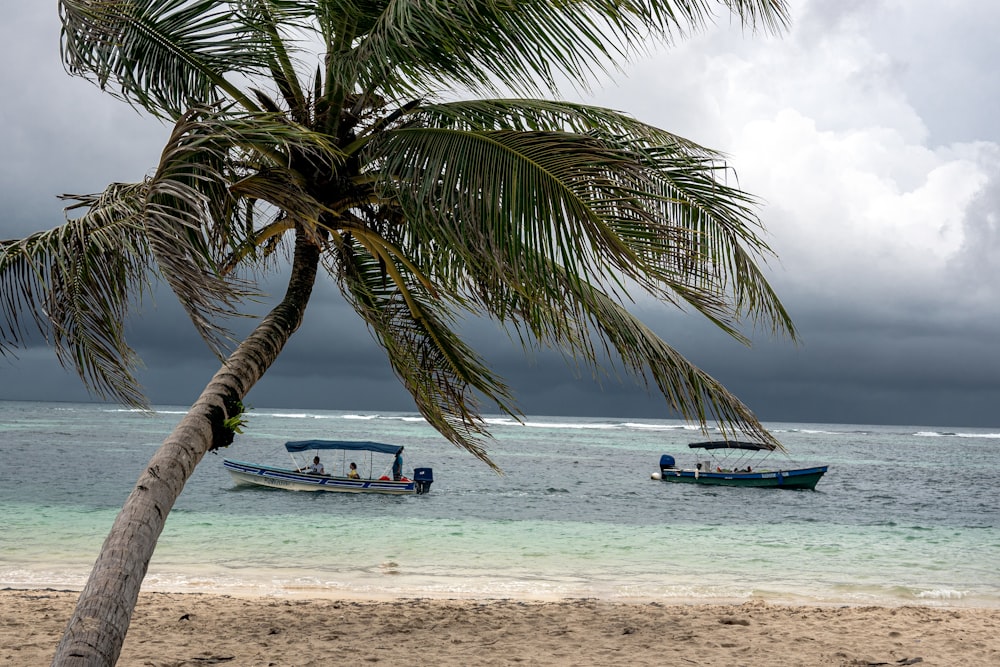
column 345, row 594
column 195, row 628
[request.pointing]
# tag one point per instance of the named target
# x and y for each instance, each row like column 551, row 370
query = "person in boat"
column 316, row 467
column 397, row 465
column 353, row 471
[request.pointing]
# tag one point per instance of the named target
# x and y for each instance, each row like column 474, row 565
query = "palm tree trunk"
column 96, row 631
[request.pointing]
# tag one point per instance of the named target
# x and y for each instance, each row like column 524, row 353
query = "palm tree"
column 310, row 134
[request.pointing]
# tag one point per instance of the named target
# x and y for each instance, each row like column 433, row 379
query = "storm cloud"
column 868, row 131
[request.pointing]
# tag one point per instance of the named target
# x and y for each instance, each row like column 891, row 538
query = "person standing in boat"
column 397, row 465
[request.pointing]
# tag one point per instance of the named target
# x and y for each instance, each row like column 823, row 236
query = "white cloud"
column 860, row 200
column 827, row 125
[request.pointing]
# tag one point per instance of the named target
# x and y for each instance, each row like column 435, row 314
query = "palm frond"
column 260, row 248
column 720, row 225
column 213, row 169
column 590, row 327
column 539, row 115
column 612, row 210
column 186, row 196
column 416, row 330
column 274, row 20
column 479, row 45
column 549, row 227
column 160, row 54
column 76, row 282
column 689, row 391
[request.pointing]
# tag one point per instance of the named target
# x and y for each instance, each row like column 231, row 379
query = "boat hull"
column 291, row 480
column 800, row 478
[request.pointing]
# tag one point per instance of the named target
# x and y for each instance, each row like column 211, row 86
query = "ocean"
column 905, row 515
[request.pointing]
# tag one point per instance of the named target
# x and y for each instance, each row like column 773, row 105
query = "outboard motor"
column 422, row 479
column 667, row 463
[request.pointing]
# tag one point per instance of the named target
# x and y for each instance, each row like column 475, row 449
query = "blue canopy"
column 732, row 444
column 351, row 445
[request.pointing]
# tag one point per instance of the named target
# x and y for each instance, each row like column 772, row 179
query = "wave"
column 816, row 431
column 291, row 415
column 955, row 434
column 591, row 423
column 942, row 594
column 139, row 411
column 661, row 427
column 508, row 422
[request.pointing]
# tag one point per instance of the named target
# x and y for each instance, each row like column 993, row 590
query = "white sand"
column 198, row 629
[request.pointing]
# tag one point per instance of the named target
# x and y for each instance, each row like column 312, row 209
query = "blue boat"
column 736, row 463
column 309, row 473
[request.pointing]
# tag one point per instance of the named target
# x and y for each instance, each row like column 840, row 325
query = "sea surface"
column 906, row 514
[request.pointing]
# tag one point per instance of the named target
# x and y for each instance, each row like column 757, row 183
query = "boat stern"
column 422, row 479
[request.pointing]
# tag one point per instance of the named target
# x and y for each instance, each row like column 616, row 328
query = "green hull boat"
column 743, row 471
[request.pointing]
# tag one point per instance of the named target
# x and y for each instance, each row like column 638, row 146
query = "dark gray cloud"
column 867, row 131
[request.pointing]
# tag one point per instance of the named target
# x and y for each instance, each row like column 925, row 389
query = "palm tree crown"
column 321, row 118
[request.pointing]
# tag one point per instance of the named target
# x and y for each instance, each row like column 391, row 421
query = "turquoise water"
column 906, row 514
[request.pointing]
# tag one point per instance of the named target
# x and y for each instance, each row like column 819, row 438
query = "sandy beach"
column 175, row 629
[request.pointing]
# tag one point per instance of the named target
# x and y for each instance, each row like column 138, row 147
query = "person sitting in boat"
column 316, row 468
column 353, row 471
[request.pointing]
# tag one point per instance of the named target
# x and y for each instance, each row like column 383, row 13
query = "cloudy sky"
column 869, row 130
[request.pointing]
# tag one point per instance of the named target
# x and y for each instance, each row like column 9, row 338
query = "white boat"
column 300, row 477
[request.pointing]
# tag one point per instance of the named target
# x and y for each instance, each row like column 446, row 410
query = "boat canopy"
column 350, row 445
column 732, row 444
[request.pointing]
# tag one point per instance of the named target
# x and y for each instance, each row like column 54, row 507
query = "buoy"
column 655, row 475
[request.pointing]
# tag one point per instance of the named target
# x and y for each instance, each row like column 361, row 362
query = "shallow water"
column 905, row 514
